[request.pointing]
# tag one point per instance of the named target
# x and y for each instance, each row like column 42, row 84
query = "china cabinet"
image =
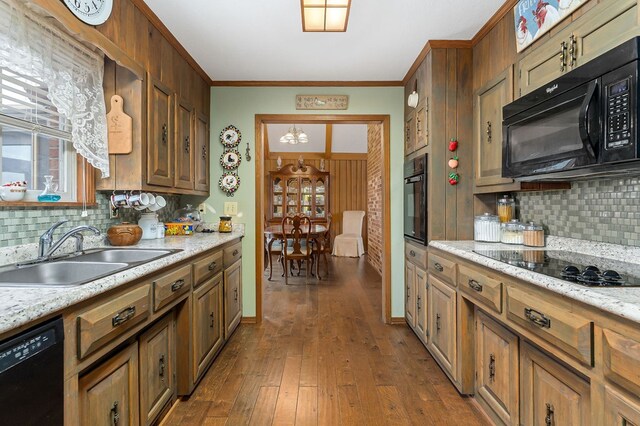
column 298, row 190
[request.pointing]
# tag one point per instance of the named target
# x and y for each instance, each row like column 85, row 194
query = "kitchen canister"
column 506, row 208
column 149, row 224
column 512, row 232
column 533, row 235
column 160, row 230
column 486, row 228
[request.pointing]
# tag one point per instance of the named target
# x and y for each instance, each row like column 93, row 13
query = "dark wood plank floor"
column 323, row 356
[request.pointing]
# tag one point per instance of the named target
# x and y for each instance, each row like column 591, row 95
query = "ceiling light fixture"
column 325, row 15
column 294, row 136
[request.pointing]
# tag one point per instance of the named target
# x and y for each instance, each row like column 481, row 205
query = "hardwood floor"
column 323, row 356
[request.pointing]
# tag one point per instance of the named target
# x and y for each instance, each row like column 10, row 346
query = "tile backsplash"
column 606, row 210
column 23, row 225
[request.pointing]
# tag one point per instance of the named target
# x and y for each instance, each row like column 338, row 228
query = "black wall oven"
column 415, row 199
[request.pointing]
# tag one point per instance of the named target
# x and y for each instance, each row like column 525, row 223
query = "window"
column 35, row 140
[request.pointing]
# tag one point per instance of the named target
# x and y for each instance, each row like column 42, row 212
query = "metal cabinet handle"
column 492, row 367
column 235, row 295
column 475, row 285
column 538, row 318
column 165, row 133
column 412, row 253
column 418, row 303
column 573, row 50
column 212, row 265
column 563, row 56
column 123, row 316
column 408, row 292
column 187, row 144
column 426, row 117
column 548, row 420
column 204, row 152
column 438, row 267
column 115, row 414
column 161, row 367
column 212, row 319
column 177, row 285
column 438, row 323
column 489, row 132
column 235, row 253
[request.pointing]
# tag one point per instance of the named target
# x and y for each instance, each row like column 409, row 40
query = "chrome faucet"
column 46, row 239
column 46, row 247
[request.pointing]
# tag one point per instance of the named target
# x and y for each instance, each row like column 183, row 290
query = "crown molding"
column 294, row 83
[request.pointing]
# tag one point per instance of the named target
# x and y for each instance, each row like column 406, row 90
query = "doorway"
column 261, row 155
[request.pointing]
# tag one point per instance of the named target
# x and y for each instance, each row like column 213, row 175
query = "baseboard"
column 249, row 320
column 398, row 321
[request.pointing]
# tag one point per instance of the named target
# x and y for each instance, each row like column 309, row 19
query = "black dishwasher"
column 31, row 376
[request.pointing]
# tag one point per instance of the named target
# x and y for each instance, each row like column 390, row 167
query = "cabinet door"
column 410, row 134
column 409, row 292
column 422, row 125
column 421, row 303
column 207, row 324
column 442, row 324
column 232, row 297
column 547, row 62
column 157, row 367
column 620, row 409
column 497, row 368
column 601, row 29
column 184, row 146
column 159, row 134
column 551, row 394
column 109, row 394
column 202, row 153
column 489, row 101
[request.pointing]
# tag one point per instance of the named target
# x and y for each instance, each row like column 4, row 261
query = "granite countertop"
column 23, row 305
column 624, row 302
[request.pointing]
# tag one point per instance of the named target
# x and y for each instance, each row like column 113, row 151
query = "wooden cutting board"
column 119, row 128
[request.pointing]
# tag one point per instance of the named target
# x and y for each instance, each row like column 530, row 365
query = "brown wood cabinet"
column 108, row 395
column 620, row 409
column 442, row 325
column 410, row 134
column 160, row 122
column 497, row 369
column 202, row 153
column 157, row 369
column 207, row 326
column 422, row 305
column 298, row 190
column 410, row 293
column 232, row 297
column 422, row 125
column 551, row 394
column 184, row 145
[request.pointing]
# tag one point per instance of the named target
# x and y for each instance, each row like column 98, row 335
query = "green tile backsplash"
column 604, row 210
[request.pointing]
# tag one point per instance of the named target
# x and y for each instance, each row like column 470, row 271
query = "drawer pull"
column 475, row 285
column 177, row 285
column 412, row 253
column 212, row 265
column 548, row 420
column 115, row 414
column 438, row 267
column 538, row 318
column 418, row 304
column 438, row 323
column 235, row 253
column 492, row 367
column 212, row 319
column 161, row 367
column 123, row 316
column 235, row 297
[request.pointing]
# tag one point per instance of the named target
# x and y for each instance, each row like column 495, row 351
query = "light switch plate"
column 230, row 208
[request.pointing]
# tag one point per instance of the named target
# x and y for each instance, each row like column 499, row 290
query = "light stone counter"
column 20, row 306
column 624, row 302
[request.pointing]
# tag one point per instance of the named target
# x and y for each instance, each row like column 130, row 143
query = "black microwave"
column 583, row 124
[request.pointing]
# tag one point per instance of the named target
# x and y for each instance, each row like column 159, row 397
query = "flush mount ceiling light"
column 294, row 136
column 325, row 15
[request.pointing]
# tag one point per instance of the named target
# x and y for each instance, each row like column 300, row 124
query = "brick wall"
column 374, row 196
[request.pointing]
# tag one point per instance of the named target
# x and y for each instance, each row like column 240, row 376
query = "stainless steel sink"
column 122, row 255
column 58, row 274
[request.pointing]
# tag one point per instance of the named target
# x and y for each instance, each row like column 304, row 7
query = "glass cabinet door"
column 278, row 196
column 319, row 199
column 306, row 197
column 293, row 196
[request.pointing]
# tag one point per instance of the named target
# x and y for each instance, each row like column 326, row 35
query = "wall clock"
column 230, row 160
column 92, row 12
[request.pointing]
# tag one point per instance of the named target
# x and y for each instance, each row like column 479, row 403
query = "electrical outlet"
column 230, row 208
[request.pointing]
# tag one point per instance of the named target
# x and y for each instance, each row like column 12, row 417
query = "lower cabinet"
column 497, row 366
column 232, row 297
column 442, row 324
column 620, row 409
column 421, row 303
column 551, row 394
column 108, row 395
column 207, row 324
column 157, row 369
column 409, row 293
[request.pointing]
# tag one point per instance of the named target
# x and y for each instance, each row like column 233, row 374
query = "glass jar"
column 533, row 235
column 149, row 224
column 49, row 192
column 512, row 232
column 225, row 224
column 487, row 228
column 506, row 208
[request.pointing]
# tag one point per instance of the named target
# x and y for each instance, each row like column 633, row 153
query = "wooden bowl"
column 125, row 234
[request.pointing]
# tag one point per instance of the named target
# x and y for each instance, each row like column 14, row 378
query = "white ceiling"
column 346, row 138
column 263, row 39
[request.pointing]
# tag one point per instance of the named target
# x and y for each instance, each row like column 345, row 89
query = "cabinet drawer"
column 442, row 268
column 621, row 357
column 481, row 287
column 207, row 267
column 169, row 287
column 568, row 331
column 416, row 255
column 231, row 254
column 104, row 323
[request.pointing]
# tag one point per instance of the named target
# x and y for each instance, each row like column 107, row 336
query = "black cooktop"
column 574, row 267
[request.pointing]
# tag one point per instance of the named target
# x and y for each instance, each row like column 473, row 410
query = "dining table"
column 275, row 232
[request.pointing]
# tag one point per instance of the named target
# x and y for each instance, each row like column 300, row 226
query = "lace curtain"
column 72, row 72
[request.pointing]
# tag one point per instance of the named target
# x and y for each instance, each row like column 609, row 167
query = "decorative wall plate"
column 230, row 160
column 229, row 183
column 230, row 137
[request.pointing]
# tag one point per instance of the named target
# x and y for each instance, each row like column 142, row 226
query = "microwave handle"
column 585, row 131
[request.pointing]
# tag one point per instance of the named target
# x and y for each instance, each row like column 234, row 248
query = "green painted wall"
column 239, row 106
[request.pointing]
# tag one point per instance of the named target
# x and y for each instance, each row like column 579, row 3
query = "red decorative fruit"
column 453, row 178
column 453, row 162
column 453, row 145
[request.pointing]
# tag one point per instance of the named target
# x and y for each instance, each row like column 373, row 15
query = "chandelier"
column 294, row 136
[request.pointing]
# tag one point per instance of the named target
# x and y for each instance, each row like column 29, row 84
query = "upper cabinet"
column 202, row 153
column 184, row 146
column 595, row 32
column 159, row 134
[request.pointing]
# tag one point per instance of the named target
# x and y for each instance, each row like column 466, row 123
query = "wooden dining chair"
column 322, row 246
column 272, row 246
column 295, row 229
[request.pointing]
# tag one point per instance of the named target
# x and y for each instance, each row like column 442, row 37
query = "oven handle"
column 413, row 179
column 585, row 132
